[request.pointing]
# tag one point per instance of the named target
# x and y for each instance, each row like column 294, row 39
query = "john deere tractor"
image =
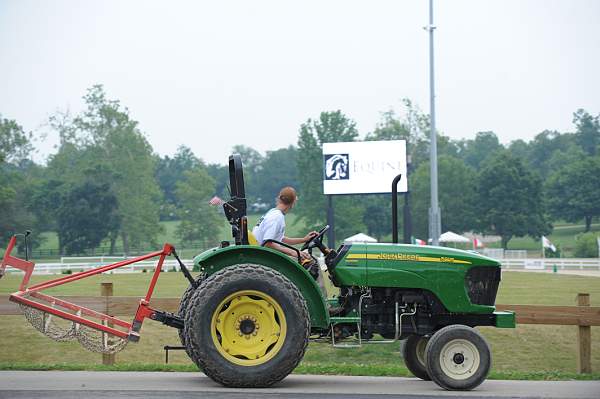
column 247, row 318
column 251, row 312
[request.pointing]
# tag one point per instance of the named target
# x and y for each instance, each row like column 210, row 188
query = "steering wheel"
column 316, row 241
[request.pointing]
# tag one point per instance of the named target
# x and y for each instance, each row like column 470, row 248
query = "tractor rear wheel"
column 413, row 352
column 183, row 304
column 458, row 358
column 247, row 326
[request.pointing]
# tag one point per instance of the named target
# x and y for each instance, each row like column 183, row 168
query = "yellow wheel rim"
column 248, row 328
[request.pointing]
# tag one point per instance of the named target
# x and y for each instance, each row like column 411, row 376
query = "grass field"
column 529, row 351
column 294, row 228
column 562, row 236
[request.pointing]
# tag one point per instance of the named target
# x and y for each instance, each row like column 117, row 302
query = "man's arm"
column 294, row 241
column 286, row 251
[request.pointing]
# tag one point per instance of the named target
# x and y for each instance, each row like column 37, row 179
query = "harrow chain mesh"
column 99, row 341
column 91, row 339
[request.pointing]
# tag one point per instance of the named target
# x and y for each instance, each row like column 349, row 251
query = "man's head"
column 287, row 197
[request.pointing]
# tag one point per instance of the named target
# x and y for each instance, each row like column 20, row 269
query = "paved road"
column 82, row 384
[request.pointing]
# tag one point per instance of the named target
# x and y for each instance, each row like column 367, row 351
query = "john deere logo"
column 336, row 167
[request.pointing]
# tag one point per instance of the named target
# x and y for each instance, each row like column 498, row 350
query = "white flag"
column 547, row 244
column 598, row 239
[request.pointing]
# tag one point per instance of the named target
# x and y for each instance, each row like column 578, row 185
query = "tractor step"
column 344, row 319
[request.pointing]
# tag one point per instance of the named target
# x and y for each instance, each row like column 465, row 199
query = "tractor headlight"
column 482, row 284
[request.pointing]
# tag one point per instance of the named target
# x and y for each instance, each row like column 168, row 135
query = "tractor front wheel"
column 458, row 358
column 247, row 326
column 413, row 352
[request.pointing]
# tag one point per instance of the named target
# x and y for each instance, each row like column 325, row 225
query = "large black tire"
column 413, row 352
column 458, row 358
column 183, row 304
column 216, row 299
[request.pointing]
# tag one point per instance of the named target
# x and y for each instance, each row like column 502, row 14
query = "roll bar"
column 235, row 208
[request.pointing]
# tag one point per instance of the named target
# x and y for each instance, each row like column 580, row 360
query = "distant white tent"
column 360, row 237
column 453, row 237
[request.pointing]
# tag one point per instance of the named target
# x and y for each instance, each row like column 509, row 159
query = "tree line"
column 105, row 183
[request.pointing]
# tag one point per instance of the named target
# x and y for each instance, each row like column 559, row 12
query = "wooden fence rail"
column 583, row 315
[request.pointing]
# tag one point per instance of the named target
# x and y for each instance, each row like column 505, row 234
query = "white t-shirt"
column 270, row 227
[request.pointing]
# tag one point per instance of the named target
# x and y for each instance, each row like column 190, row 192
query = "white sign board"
column 534, row 264
column 364, row 167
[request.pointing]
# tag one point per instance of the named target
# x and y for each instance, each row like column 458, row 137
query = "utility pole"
column 435, row 220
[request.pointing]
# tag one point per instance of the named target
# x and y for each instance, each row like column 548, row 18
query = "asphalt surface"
column 82, row 384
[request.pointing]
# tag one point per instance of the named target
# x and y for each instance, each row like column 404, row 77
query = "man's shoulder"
column 274, row 214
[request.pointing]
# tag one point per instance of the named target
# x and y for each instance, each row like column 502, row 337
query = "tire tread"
column 210, row 287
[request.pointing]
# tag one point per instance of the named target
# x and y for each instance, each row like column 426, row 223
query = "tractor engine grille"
column 482, row 284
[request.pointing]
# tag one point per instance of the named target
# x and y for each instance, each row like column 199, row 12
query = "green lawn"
column 294, row 228
column 563, row 236
column 529, row 351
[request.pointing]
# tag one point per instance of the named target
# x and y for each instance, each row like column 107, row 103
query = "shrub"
column 586, row 245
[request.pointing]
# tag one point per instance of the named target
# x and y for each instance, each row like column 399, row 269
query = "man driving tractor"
column 271, row 226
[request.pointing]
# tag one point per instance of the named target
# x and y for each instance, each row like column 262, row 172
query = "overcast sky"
column 212, row 74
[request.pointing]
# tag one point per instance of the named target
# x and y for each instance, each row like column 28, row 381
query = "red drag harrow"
column 96, row 331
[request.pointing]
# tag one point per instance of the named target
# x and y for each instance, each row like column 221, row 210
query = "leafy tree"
column 509, row 199
column 586, row 245
column 377, row 216
column 588, row 131
column 278, row 169
column 14, row 142
column 198, row 221
column 251, row 158
column 220, row 174
column 330, row 127
column 15, row 217
column 520, row 149
column 136, row 189
column 252, row 162
column 86, row 214
column 543, row 147
column 169, row 171
column 475, row 152
column 572, row 153
column 573, row 191
column 104, row 138
column 456, row 196
column 413, row 127
column 15, row 178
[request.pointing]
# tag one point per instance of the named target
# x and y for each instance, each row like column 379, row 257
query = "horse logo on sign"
column 336, row 167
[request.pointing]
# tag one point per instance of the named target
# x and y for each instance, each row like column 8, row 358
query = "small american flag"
column 216, row 201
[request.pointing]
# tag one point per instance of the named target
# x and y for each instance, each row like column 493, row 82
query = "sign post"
column 330, row 219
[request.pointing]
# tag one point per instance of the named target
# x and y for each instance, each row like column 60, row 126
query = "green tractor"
column 249, row 316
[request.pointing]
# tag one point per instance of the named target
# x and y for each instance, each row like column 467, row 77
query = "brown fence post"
column 106, row 290
column 584, row 340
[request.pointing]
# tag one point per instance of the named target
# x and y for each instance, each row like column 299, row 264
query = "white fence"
column 86, row 263
column 499, row 253
column 550, row 263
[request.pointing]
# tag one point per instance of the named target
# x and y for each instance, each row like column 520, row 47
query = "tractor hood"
column 464, row 281
column 426, row 253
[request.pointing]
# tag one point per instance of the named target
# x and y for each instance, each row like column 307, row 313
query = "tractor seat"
column 251, row 239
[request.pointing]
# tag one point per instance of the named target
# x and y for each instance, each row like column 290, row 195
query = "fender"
column 215, row 259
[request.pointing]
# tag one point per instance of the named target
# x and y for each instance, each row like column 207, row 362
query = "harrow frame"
column 82, row 315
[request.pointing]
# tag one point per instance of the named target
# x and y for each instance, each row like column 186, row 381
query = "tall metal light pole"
column 435, row 219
